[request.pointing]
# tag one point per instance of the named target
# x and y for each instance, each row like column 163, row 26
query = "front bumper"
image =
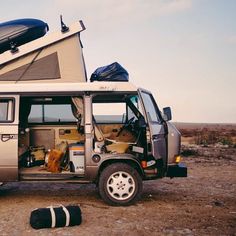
column 177, row 170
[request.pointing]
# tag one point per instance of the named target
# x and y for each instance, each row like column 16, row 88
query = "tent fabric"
column 60, row 62
column 41, row 69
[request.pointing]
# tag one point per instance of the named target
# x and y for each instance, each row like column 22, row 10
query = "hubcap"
column 121, row 185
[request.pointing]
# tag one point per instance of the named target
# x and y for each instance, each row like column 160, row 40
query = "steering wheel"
column 128, row 123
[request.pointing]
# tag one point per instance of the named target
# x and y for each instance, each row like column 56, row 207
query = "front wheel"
column 120, row 184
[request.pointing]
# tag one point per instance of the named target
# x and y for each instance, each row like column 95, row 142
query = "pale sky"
column 184, row 51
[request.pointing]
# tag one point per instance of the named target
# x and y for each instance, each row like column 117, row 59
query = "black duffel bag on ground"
column 113, row 72
column 52, row 217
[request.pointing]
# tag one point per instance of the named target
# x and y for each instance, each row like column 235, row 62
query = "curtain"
column 78, row 109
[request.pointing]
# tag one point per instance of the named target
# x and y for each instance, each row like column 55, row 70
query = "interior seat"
column 113, row 146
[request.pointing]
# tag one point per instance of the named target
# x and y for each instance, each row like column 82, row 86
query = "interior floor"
column 38, row 173
column 41, row 170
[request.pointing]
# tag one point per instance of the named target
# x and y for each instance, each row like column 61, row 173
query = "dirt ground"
column 202, row 204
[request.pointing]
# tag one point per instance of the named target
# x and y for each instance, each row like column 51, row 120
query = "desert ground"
column 204, row 203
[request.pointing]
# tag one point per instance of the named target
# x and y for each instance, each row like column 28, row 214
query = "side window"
column 6, row 110
column 134, row 107
column 131, row 114
column 150, row 107
column 58, row 113
column 46, row 113
column 110, row 112
column 36, row 114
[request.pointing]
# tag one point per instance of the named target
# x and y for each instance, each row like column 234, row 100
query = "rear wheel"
column 120, row 184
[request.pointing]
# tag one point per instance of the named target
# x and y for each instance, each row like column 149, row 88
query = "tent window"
column 41, row 69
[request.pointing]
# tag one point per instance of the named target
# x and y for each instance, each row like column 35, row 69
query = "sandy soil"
column 202, row 204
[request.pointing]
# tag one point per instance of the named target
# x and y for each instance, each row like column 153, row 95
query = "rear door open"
column 9, row 119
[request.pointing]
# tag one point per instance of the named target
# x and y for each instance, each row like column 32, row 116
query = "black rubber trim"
column 178, row 170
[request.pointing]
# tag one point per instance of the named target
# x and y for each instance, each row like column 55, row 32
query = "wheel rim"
column 121, row 185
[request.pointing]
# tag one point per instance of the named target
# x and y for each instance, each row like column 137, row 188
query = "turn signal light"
column 177, row 159
column 144, row 164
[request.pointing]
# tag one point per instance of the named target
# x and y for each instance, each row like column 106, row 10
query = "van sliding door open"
column 9, row 119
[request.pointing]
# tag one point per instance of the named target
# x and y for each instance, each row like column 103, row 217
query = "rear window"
column 6, row 110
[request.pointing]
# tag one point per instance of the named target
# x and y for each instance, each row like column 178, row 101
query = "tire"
column 120, row 185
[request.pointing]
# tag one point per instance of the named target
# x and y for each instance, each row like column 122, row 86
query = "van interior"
column 52, row 139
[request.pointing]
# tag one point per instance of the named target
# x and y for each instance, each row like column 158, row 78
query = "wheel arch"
column 133, row 163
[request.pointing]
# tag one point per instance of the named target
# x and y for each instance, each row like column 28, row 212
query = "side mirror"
column 167, row 113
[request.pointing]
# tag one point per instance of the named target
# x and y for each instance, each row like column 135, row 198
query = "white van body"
column 65, row 129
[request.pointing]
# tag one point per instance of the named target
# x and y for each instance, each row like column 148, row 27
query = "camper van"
column 57, row 127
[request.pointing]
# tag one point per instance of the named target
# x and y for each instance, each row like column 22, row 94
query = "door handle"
column 6, row 137
column 156, row 137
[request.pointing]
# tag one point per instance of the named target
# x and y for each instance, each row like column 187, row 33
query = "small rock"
column 184, row 231
column 218, row 203
column 177, row 231
column 218, row 186
column 119, row 221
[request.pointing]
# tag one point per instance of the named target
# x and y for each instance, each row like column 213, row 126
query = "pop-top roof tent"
column 56, row 57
